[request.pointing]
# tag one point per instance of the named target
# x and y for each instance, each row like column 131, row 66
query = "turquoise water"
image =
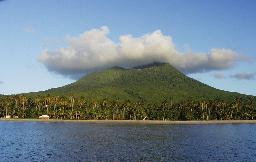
column 65, row 141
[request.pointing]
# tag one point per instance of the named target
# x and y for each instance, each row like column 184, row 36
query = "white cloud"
column 94, row 50
column 219, row 75
column 29, row 29
column 244, row 76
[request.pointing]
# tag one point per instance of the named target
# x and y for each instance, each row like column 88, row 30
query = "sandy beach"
column 138, row 121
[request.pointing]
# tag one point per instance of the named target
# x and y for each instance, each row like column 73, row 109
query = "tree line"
column 73, row 108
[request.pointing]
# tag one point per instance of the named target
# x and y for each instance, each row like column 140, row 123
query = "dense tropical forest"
column 19, row 106
column 156, row 91
column 152, row 83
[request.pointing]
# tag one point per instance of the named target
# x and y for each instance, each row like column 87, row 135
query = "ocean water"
column 74, row 141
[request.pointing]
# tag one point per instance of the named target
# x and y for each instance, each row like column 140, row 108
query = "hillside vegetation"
column 151, row 83
column 155, row 91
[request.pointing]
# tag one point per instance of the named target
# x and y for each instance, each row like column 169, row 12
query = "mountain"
column 152, row 83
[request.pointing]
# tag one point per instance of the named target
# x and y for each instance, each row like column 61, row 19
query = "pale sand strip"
column 139, row 121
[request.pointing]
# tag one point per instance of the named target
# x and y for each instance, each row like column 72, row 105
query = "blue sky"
column 28, row 28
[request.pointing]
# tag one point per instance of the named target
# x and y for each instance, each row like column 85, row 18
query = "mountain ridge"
column 153, row 82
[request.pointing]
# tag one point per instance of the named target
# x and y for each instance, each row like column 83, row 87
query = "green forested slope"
column 152, row 83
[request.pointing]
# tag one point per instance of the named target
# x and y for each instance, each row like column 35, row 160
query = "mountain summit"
column 152, row 83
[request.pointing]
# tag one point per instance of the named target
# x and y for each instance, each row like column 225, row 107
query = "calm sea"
column 65, row 141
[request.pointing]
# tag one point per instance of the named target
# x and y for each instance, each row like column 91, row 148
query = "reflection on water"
column 63, row 141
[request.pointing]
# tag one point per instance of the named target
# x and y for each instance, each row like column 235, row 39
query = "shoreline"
column 160, row 122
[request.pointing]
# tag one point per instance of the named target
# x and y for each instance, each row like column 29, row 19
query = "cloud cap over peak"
column 93, row 50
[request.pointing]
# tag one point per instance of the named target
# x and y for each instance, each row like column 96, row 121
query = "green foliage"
column 152, row 83
column 79, row 108
column 156, row 92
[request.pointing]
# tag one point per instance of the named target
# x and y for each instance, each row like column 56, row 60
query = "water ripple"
column 37, row 141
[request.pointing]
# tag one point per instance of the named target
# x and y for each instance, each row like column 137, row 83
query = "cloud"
column 93, row 50
column 219, row 76
column 1, row 82
column 244, row 76
column 28, row 29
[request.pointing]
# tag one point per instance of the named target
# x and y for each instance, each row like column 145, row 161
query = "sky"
column 51, row 43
